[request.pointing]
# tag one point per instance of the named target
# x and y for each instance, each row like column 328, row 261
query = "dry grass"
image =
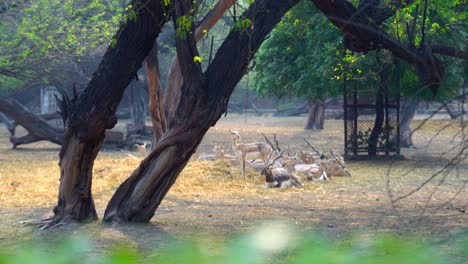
column 212, row 196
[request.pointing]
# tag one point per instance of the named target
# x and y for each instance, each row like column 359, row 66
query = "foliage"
column 446, row 23
column 298, row 57
column 38, row 35
column 304, row 56
column 262, row 246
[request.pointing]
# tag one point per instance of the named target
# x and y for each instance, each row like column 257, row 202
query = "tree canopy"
column 298, row 57
column 48, row 39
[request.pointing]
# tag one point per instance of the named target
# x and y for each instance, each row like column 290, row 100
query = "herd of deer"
column 281, row 172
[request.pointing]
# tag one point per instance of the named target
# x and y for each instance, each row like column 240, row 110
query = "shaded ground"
column 211, row 200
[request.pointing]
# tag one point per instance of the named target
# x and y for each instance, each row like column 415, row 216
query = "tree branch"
column 362, row 35
column 37, row 127
column 449, row 51
column 175, row 80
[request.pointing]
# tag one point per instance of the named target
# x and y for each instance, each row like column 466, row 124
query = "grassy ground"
column 210, row 199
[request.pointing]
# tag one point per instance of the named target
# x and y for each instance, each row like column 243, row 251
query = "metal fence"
column 370, row 121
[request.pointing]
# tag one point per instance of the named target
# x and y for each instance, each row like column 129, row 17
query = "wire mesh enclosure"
column 371, row 121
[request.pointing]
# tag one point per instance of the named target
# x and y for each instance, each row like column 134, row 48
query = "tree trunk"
column 408, row 109
column 203, row 101
column 316, row 116
column 379, row 121
column 140, row 195
column 137, row 110
column 452, row 114
column 89, row 115
column 36, row 126
column 156, row 106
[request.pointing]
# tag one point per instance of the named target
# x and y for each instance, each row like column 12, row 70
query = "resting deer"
column 279, row 177
column 330, row 167
column 260, row 149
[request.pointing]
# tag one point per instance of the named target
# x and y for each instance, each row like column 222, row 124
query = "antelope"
column 312, row 170
column 262, row 150
column 311, row 157
column 279, row 177
column 141, row 148
column 331, row 167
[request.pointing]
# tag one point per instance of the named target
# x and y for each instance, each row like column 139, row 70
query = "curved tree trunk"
column 203, row 101
column 89, row 115
column 408, row 109
column 316, row 116
column 36, row 126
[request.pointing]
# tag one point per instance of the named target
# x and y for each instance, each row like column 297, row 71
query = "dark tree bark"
column 89, row 115
column 316, row 116
column 408, row 109
column 36, row 126
column 138, row 110
column 203, row 100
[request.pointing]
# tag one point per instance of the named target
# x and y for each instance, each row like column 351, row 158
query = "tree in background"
column 297, row 61
column 53, row 40
column 423, row 24
column 49, row 42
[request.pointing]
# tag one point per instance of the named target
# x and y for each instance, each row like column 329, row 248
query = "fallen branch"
column 36, row 125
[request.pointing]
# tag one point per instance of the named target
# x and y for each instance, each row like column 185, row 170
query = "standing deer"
column 279, row 177
column 260, row 149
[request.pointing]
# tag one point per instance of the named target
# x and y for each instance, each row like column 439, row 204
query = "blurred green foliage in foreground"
column 277, row 243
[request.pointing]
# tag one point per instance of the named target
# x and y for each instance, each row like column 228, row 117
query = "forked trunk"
column 407, row 112
column 316, row 116
column 89, row 115
column 203, row 101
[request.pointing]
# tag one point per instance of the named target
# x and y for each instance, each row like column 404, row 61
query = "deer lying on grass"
column 310, row 157
column 329, row 167
column 280, row 177
column 241, row 150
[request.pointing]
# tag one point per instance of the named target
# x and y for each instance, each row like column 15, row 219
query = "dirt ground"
column 211, row 201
